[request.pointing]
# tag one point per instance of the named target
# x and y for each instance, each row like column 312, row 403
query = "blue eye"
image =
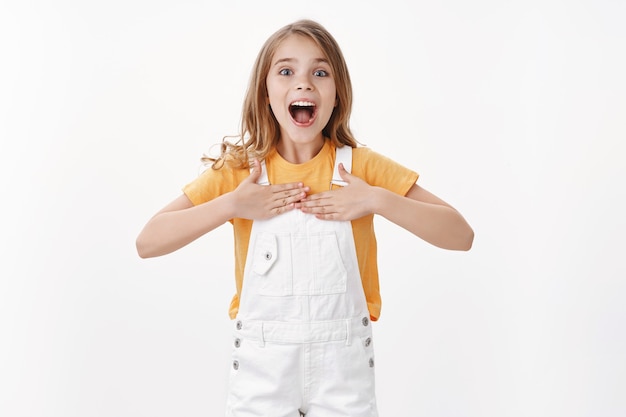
column 320, row 73
column 285, row 71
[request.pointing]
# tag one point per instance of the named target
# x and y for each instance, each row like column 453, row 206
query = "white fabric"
column 343, row 155
column 302, row 338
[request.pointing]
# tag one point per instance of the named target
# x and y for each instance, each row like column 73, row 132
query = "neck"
column 299, row 153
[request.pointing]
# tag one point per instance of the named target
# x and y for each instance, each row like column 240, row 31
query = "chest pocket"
column 298, row 264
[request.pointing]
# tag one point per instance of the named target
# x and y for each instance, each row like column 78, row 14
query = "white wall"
column 513, row 111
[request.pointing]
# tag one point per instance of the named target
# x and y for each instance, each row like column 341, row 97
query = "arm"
column 420, row 212
column 180, row 222
column 426, row 216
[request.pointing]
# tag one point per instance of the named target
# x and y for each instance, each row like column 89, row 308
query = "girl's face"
column 301, row 91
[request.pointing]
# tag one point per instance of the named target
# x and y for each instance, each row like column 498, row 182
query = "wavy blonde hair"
column 259, row 130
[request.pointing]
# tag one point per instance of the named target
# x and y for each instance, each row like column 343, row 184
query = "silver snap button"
column 365, row 321
column 239, row 325
column 235, row 365
column 268, row 256
column 237, row 343
column 368, row 341
column 371, row 363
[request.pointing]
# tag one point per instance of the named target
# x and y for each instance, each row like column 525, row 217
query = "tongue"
column 301, row 115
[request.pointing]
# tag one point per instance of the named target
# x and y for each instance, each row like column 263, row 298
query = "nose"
column 303, row 83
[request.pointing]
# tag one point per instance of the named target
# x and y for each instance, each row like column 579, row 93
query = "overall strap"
column 342, row 155
column 263, row 179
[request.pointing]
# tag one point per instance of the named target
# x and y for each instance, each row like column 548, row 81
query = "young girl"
column 301, row 196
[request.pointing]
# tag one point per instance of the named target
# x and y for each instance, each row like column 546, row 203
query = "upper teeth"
column 302, row 103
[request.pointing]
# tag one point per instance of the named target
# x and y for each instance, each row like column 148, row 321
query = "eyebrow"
column 289, row 60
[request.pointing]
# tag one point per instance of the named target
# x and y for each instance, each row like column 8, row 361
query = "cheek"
column 269, row 91
column 271, row 101
column 334, row 97
column 274, row 97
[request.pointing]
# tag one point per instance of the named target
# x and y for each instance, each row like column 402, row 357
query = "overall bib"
column 302, row 341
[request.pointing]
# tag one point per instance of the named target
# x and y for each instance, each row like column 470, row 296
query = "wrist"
column 378, row 200
column 228, row 203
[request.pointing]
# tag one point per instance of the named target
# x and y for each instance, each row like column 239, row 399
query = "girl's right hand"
column 258, row 202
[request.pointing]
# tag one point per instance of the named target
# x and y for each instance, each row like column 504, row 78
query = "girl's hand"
column 348, row 203
column 258, row 202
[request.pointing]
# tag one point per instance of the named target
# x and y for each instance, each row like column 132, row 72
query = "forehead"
column 298, row 48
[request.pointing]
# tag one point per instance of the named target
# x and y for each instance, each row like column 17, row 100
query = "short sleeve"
column 214, row 182
column 381, row 171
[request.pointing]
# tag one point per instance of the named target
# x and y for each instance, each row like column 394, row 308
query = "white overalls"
column 302, row 337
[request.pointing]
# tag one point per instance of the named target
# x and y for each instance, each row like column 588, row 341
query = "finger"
column 255, row 172
column 290, row 200
column 319, row 196
column 315, row 207
column 282, row 209
column 328, row 216
column 289, row 187
column 345, row 175
column 287, row 197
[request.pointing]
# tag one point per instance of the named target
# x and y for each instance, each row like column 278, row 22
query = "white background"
column 512, row 111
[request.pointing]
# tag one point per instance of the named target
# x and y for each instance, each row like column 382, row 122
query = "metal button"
column 368, row 341
column 371, row 363
column 268, row 256
column 237, row 343
column 365, row 321
column 239, row 325
column 235, row 365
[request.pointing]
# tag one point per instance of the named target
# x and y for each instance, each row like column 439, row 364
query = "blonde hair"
column 259, row 130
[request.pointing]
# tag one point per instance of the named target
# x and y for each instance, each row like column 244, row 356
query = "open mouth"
column 302, row 112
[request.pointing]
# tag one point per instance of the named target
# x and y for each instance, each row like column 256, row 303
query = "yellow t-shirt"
column 368, row 165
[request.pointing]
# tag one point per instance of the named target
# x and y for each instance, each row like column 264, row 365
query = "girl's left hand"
column 347, row 203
